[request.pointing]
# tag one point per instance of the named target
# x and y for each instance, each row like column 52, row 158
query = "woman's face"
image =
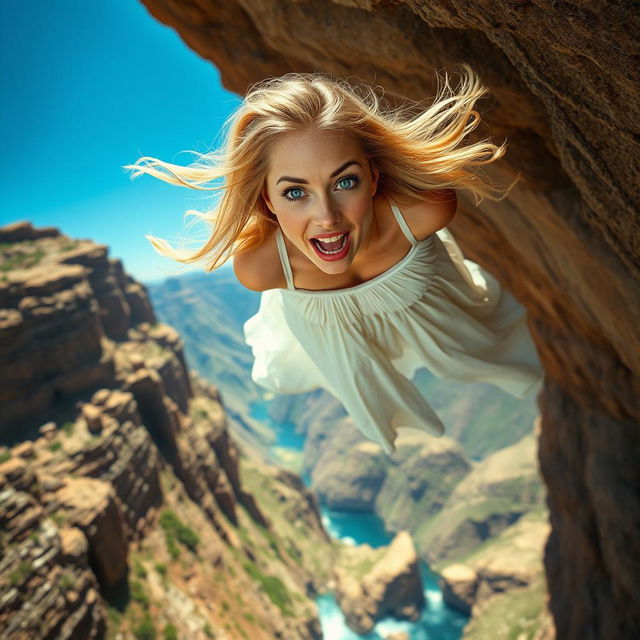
column 320, row 187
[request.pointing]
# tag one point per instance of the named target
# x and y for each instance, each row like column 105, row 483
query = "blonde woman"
column 335, row 207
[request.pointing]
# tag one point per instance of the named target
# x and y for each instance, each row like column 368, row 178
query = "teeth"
column 326, row 251
column 331, row 239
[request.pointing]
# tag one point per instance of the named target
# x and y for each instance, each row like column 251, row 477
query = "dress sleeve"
column 280, row 364
column 378, row 398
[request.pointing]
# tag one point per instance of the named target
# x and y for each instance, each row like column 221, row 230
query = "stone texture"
column 391, row 587
column 90, row 505
column 459, row 585
column 93, row 458
column 60, row 302
column 38, row 564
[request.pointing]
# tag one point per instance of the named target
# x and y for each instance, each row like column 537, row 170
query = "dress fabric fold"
column 363, row 344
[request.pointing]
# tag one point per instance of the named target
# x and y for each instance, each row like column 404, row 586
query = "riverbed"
column 438, row 621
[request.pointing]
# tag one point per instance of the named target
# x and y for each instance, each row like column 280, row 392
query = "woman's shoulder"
column 432, row 212
column 259, row 268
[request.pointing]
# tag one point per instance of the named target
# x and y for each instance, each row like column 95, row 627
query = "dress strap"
column 284, row 258
column 403, row 225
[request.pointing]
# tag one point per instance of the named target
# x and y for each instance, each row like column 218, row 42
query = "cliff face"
column 565, row 94
column 127, row 505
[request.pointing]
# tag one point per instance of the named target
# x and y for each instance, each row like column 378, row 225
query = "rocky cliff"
column 124, row 504
column 565, row 79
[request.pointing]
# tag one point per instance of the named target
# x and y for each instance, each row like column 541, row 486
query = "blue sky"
column 86, row 88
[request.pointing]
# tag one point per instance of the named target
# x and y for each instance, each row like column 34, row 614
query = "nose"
column 327, row 215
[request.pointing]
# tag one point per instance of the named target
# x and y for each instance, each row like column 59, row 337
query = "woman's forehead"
column 319, row 149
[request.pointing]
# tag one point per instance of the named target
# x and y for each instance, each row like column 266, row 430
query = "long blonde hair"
column 413, row 153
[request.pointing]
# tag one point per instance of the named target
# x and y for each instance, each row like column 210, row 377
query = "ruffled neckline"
column 363, row 285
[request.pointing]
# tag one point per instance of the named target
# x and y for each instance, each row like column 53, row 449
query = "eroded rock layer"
column 125, row 506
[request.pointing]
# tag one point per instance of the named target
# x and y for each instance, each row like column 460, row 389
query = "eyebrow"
column 335, row 173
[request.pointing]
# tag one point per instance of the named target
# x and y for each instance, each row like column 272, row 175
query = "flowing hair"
column 416, row 150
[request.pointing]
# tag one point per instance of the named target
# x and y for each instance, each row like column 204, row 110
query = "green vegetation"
column 55, row 445
column 161, row 568
column 138, row 569
column 66, row 582
column 207, row 630
column 69, row 427
column 170, row 632
column 198, row 413
column 249, row 617
column 114, row 618
column 273, row 587
column 5, row 455
column 20, row 573
column 23, row 261
column 514, row 615
column 58, row 517
column 139, row 594
column 273, row 542
column 176, row 530
column 145, row 630
column 294, row 552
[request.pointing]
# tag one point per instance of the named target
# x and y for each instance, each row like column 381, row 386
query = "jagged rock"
column 421, row 480
column 459, row 585
column 24, row 450
column 99, row 478
column 391, row 587
column 137, row 362
column 36, row 595
column 24, row 230
column 90, row 505
column 73, row 542
column 20, row 514
column 68, row 296
column 351, row 481
column 48, row 481
column 18, row 472
column 48, row 430
column 125, row 457
column 93, row 417
column 176, row 378
column 52, row 305
column 100, row 397
column 147, row 386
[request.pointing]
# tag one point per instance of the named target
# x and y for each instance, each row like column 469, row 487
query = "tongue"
column 330, row 246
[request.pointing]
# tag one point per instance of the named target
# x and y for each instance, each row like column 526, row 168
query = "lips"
column 333, row 247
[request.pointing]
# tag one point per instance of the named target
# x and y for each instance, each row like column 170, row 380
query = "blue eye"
column 286, row 193
column 354, row 179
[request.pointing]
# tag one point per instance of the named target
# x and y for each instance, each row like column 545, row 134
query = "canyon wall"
column 123, row 501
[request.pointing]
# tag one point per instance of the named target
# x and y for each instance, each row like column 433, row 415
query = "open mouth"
column 333, row 248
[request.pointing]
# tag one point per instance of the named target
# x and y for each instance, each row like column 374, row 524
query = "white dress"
column 432, row 309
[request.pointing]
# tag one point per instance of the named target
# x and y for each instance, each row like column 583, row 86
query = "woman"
column 335, row 207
